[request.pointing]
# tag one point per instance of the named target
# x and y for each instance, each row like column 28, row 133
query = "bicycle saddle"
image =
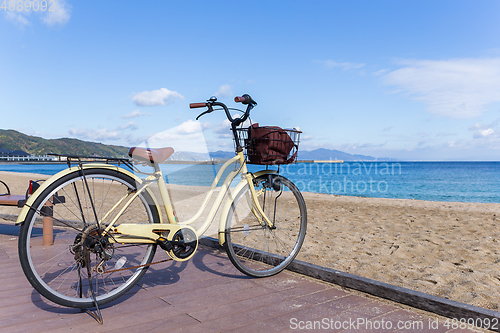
column 151, row 155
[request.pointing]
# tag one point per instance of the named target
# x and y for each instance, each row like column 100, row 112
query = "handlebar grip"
column 197, row 105
column 245, row 99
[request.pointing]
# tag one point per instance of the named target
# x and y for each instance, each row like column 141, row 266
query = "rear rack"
column 108, row 160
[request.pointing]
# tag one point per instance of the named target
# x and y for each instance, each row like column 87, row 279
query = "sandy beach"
column 446, row 249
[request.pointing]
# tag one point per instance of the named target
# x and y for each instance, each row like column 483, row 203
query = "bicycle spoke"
column 67, row 275
column 271, row 249
column 54, row 270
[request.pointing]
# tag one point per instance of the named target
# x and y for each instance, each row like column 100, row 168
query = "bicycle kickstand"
column 97, row 315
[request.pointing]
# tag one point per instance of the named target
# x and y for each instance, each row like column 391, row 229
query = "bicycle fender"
column 29, row 203
column 264, row 172
column 229, row 203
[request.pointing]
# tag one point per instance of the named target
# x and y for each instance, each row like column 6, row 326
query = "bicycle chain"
column 134, row 267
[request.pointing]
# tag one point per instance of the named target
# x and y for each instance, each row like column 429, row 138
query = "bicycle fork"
column 256, row 208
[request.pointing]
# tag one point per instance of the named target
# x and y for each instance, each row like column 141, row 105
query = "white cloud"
column 482, row 131
column 128, row 126
column 456, row 88
column 156, row 97
column 17, row 19
column 188, row 127
column 224, row 91
column 380, row 72
column 331, row 64
column 223, row 128
column 136, row 113
column 95, row 135
column 58, row 12
column 188, row 136
column 487, row 132
column 104, row 134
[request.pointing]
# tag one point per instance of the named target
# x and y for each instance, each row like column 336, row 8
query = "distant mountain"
column 317, row 154
column 188, row 156
column 329, row 154
column 221, row 155
column 14, row 140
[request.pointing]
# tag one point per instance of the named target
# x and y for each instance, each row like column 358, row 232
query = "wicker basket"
column 269, row 145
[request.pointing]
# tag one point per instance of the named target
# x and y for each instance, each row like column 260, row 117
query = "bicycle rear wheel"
column 59, row 271
column 252, row 246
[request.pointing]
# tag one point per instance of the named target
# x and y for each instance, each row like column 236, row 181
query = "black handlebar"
column 245, row 99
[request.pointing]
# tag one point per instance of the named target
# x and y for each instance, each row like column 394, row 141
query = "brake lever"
column 210, row 108
column 201, row 114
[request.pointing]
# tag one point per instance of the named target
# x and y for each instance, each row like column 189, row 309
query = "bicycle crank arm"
column 179, row 241
column 144, row 233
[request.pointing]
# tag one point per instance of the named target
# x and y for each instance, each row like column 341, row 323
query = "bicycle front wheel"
column 57, row 265
column 252, row 246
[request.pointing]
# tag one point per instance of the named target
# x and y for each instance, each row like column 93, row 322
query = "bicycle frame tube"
column 227, row 182
column 147, row 182
column 158, row 177
column 220, row 196
column 246, row 178
column 164, row 194
column 252, row 199
column 52, row 179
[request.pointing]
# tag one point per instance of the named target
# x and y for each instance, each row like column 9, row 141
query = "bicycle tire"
column 255, row 249
column 53, row 270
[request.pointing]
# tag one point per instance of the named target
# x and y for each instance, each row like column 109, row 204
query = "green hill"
column 14, row 140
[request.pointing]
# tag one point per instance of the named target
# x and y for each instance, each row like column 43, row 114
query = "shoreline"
column 446, row 249
column 494, row 200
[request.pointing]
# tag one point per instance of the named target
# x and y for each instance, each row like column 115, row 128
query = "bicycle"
column 107, row 221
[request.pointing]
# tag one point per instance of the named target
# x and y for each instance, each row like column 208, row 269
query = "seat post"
column 164, row 194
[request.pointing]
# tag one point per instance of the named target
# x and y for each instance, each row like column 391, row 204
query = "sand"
column 446, row 249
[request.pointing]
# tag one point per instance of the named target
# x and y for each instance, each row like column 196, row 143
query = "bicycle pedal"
column 164, row 243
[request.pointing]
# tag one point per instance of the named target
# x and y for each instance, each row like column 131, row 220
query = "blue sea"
column 434, row 181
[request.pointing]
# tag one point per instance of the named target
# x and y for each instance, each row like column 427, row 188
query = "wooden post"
column 48, row 223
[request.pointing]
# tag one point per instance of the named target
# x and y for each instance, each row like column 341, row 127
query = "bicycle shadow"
column 165, row 274
column 46, row 305
column 204, row 260
column 153, row 277
column 9, row 229
column 13, row 230
column 211, row 260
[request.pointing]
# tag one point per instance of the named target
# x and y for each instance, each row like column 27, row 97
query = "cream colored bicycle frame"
column 149, row 232
column 143, row 233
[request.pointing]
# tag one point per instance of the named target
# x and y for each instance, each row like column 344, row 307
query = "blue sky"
column 415, row 80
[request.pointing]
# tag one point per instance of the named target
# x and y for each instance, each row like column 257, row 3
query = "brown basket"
column 269, row 145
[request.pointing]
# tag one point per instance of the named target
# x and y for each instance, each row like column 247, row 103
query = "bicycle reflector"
column 33, row 187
